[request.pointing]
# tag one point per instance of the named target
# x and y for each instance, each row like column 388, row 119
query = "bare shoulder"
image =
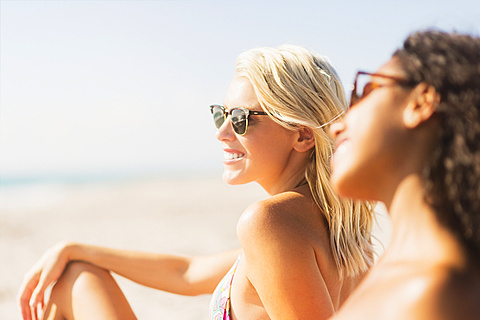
column 422, row 293
column 284, row 214
column 452, row 293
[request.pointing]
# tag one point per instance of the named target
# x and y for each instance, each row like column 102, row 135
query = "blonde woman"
column 303, row 249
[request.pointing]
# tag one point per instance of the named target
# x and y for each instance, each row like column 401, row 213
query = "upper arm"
column 205, row 272
column 281, row 264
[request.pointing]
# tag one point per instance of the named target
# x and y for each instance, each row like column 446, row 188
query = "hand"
column 43, row 274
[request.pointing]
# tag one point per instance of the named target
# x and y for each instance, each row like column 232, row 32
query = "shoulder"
column 450, row 293
column 286, row 226
column 423, row 293
column 280, row 256
column 441, row 292
column 283, row 214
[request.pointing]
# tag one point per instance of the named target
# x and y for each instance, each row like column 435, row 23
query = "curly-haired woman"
column 412, row 140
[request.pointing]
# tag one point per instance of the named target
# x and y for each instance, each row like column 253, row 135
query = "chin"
column 347, row 186
column 338, row 182
column 353, row 189
column 232, row 178
column 351, row 193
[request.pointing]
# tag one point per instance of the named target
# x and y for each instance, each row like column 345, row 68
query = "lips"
column 341, row 148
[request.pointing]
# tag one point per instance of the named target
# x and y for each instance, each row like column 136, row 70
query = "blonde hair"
column 297, row 87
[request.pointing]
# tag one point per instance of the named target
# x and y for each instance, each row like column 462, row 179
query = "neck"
column 291, row 177
column 285, row 183
column 417, row 234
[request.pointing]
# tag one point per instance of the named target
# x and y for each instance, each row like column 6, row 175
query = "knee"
column 73, row 283
column 78, row 281
column 78, row 269
column 80, row 276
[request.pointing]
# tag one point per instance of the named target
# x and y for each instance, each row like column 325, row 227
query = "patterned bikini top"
column 220, row 303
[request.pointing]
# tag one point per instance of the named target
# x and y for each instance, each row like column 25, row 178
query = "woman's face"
column 261, row 154
column 371, row 140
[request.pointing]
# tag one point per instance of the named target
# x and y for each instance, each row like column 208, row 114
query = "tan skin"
column 286, row 270
column 425, row 273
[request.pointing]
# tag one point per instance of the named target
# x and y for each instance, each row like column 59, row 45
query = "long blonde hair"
column 297, row 87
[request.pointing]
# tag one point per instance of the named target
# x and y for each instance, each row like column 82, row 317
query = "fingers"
column 37, row 303
column 45, row 272
column 25, row 295
column 25, row 308
column 32, row 304
column 31, row 297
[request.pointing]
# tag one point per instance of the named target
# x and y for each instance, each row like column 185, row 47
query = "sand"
column 183, row 216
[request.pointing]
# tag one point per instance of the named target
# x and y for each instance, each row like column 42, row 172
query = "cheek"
column 346, row 166
column 270, row 154
column 359, row 162
column 265, row 155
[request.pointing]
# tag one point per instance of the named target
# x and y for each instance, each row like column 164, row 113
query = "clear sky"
column 91, row 87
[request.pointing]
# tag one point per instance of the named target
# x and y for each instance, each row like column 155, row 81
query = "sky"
column 123, row 87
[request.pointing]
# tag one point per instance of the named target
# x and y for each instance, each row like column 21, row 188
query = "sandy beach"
column 182, row 216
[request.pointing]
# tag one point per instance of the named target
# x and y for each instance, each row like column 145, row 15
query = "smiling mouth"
column 232, row 156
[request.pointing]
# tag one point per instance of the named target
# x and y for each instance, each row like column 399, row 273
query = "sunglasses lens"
column 353, row 98
column 218, row 116
column 362, row 88
column 367, row 88
column 239, row 121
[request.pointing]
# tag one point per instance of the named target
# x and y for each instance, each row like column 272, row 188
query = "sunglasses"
column 364, row 85
column 238, row 117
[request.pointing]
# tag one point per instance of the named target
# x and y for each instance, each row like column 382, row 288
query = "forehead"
column 241, row 94
column 391, row 67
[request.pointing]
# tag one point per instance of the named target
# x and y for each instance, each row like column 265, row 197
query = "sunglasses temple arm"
column 331, row 120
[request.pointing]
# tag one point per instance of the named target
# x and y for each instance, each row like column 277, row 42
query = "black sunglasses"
column 238, row 117
column 363, row 85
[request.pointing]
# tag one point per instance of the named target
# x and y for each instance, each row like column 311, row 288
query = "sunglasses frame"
column 226, row 113
column 354, row 98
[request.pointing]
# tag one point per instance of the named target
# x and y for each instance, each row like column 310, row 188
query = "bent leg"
column 85, row 291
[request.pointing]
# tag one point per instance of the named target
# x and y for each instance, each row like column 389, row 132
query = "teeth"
column 231, row 156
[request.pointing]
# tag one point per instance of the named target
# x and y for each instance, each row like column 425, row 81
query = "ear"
column 421, row 107
column 305, row 140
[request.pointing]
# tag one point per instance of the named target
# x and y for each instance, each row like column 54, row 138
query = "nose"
column 336, row 128
column 225, row 132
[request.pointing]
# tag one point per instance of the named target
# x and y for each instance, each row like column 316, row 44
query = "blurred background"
column 97, row 89
column 105, row 132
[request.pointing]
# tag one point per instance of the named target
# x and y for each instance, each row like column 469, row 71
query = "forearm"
column 172, row 273
column 160, row 271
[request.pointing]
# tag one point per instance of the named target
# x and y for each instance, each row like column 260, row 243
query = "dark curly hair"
column 450, row 62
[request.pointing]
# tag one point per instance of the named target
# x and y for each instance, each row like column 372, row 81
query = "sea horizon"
column 8, row 180
column 40, row 190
